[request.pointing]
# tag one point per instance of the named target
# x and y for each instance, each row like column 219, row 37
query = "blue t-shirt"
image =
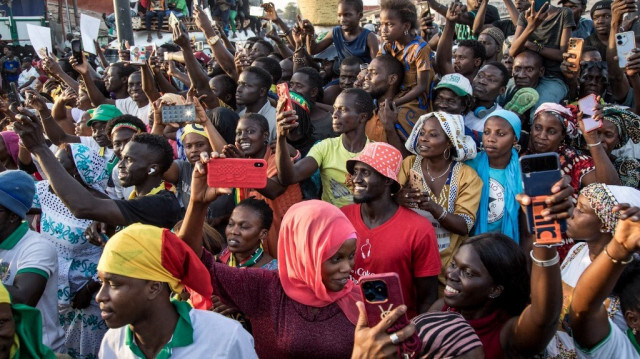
column 10, row 65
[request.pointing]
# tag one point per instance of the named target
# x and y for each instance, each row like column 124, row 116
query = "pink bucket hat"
column 382, row 157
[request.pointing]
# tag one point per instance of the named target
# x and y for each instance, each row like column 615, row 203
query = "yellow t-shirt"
column 332, row 158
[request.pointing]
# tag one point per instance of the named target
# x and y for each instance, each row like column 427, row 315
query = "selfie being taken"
column 320, row 179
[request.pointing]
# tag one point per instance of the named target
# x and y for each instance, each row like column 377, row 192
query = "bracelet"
column 444, row 214
column 594, row 144
column 299, row 60
column 548, row 263
column 618, row 261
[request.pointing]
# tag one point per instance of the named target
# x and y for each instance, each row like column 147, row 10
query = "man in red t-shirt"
column 391, row 238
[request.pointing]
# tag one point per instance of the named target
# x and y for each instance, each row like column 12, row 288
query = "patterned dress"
column 77, row 261
column 77, row 258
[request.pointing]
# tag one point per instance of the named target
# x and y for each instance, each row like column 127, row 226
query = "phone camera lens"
column 619, row 37
column 259, row 164
column 619, row 42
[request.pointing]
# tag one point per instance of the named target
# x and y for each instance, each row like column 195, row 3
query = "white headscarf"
column 453, row 126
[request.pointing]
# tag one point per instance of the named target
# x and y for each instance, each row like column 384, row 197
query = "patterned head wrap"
column 453, row 126
column 563, row 114
column 627, row 122
column 90, row 165
column 301, row 101
column 128, row 125
column 445, row 335
column 603, row 197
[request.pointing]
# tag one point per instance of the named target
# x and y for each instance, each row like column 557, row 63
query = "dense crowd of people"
column 397, row 150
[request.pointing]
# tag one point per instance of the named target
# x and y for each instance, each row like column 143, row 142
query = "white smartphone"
column 587, row 104
column 173, row 20
column 625, row 42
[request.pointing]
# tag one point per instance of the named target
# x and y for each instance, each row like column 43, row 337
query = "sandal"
column 523, row 100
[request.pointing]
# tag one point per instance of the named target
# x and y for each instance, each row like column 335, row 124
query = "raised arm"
column 633, row 72
column 289, row 173
column 445, row 44
column 103, row 60
column 605, row 172
column 314, row 47
column 512, row 10
column 270, row 14
column 213, row 36
column 96, row 97
column 616, row 74
column 478, row 22
column 521, row 37
column 52, row 67
column 589, row 319
column 149, row 86
column 61, row 114
column 53, row 130
column 529, row 333
column 199, row 79
column 201, row 196
column 75, row 196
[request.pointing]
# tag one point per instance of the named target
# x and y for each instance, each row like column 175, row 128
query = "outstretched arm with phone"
column 290, row 173
column 444, row 53
column 616, row 74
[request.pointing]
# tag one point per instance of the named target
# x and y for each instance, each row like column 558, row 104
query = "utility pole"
column 122, row 9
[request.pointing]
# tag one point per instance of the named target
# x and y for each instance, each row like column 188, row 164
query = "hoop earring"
column 446, row 154
column 517, row 147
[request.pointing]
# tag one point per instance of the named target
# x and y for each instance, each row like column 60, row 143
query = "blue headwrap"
column 512, row 187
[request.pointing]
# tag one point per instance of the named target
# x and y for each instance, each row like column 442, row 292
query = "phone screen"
column 539, row 164
column 538, row 4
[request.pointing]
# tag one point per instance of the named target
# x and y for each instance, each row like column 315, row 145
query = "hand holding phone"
column 625, row 43
column 284, row 96
column 178, row 113
column 539, row 173
column 587, row 106
column 76, row 50
column 575, row 49
column 382, row 293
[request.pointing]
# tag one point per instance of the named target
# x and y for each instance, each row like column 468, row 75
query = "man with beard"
column 252, row 94
column 382, row 82
column 490, row 83
column 124, row 85
column 377, row 217
column 144, row 159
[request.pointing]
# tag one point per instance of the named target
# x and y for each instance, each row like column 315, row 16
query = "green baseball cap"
column 104, row 113
column 457, row 83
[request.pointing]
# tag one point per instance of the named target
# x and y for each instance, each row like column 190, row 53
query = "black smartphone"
column 539, row 173
column 76, row 50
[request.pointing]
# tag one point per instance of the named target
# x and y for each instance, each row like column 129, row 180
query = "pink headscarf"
column 564, row 115
column 10, row 139
column 312, row 232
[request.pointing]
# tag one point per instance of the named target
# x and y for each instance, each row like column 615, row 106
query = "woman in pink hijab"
column 306, row 309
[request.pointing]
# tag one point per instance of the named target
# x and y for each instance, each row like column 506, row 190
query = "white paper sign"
column 40, row 38
column 89, row 28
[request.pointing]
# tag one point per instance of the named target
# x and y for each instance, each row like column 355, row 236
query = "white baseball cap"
column 457, row 83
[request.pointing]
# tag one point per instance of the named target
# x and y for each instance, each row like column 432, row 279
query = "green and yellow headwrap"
column 193, row 128
column 300, row 101
column 27, row 340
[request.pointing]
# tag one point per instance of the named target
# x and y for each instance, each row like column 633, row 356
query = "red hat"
column 202, row 57
column 382, row 157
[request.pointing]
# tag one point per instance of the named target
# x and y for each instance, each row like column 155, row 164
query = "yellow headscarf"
column 193, row 128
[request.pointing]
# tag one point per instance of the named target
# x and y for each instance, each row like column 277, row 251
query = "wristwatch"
column 213, row 39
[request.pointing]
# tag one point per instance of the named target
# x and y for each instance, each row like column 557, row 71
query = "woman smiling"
column 437, row 184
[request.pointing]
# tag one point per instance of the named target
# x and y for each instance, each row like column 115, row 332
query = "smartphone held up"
column 539, row 173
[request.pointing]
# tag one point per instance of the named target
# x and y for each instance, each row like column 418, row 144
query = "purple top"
column 282, row 328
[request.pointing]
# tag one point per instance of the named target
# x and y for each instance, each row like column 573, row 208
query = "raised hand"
column 536, row 18
column 30, row 131
column 633, row 63
column 269, row 12
column 388, row 114
column 200, row 191
column 34, row 100
column 560, row 200
column 180, row 36
column 286, row 121
column 376, row 342
column 83, row 68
